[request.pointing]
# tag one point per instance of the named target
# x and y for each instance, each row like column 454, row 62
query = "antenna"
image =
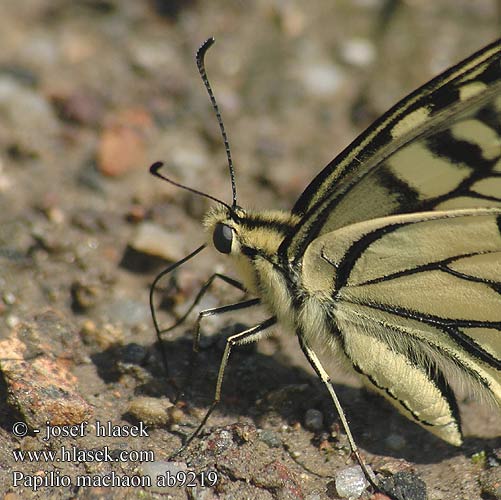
column 201, row 69
column 154, row 170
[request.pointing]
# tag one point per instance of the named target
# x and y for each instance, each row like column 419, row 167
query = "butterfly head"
column 247, row 233
column 224, row 228
column 250, row 238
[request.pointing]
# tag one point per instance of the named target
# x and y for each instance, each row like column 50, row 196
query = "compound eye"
column 222, row 238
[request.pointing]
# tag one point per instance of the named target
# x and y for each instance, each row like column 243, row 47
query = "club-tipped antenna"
column 154, row 170
column 201, row 69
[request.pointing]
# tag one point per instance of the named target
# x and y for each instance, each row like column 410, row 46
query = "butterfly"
column 391, row 258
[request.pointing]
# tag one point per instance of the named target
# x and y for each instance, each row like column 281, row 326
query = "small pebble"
column 405, row 485
column 104, row 336
column 134, row 353
column 9, row 298
column 84, row 295
column 136, row 213
column 80, row 107
column 128, row 312
column 351, row 482
column 28, row 118
column 162, row 468
column 279, row 478
column 395, row 442
column 358, row 52
column 271, row 438
column 314, row 420
column 322, row 79
column 122, row 142
column 151, row 411
column 313, row 496
column 152, row 239
column 219, row 441
column 12, row 320
column 175, row 415
column 245, row 432
column 491, row 459
column 391, row 466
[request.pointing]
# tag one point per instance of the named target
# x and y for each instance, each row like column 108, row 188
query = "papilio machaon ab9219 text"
column 391, row 257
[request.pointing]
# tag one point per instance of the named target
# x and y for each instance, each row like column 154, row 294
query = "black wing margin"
column 437, row 149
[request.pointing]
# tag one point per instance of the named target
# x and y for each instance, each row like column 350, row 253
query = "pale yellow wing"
column 416, row 300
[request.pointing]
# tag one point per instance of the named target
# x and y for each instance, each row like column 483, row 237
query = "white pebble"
column 358, row 52
column 322, row 79
column 162, row 468
column 351, row 482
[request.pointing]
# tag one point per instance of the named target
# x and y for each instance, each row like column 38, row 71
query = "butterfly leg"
column 211, row 312
column 219, row 310
column 199, row 296
column 252, row 334
column 325, row 378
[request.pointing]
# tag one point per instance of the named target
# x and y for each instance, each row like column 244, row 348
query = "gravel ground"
column 91, row 93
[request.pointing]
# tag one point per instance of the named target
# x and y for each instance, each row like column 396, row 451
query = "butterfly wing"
column 439, row 148
column 417, row 302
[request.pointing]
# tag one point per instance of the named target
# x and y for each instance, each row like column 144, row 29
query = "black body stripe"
column 275, row 225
